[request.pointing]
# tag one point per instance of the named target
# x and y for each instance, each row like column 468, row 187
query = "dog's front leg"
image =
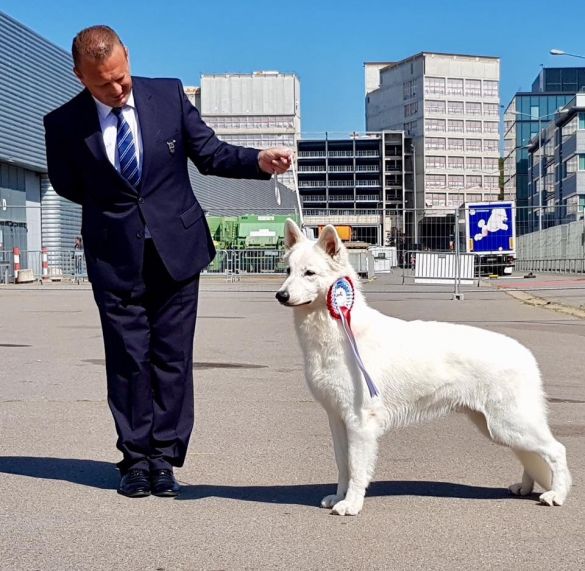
column 339, row 434
column 362, row 454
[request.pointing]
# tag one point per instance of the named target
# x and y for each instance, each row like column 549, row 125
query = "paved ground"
column 261, row 458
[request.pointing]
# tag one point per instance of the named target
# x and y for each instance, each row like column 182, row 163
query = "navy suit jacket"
column 114, row 213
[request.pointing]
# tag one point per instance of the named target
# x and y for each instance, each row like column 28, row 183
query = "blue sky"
column 324, row 42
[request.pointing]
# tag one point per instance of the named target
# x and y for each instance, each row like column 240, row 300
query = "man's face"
column 107, row 80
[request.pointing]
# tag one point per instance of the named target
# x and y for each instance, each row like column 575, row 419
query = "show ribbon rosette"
column 340, row 298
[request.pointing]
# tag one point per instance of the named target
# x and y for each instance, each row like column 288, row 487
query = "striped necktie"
column 127, row 156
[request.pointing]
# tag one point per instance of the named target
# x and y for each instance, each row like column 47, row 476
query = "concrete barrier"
column 25, row 276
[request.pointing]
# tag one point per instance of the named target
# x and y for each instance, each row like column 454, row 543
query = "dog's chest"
column 328, row 370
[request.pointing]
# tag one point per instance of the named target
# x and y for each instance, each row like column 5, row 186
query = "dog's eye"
column 288, row 271
column 309, row 273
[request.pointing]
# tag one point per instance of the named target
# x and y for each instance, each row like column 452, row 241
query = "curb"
column 536, row 301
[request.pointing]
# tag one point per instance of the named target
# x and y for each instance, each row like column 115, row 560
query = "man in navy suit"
column 120, row 149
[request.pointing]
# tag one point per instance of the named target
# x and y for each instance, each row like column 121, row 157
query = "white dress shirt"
column 109, row 125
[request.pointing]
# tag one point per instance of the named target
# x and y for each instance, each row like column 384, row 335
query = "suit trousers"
column 148, row 339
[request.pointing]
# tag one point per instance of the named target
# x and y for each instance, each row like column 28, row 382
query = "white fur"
column 423, row 370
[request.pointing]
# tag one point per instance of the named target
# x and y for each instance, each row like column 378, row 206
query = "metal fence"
column 433, row 241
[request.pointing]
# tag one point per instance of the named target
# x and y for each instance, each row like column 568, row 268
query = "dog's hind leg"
column 543, row 457
column 362, row 455
column 527, row 485
column 339, row 434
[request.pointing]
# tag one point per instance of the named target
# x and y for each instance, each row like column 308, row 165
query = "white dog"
column 423, row 370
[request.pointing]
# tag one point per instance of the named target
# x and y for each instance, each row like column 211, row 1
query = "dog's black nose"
column 282, row 296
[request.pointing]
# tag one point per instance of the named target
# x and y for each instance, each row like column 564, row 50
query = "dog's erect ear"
column 329, row 240
column 292, row 233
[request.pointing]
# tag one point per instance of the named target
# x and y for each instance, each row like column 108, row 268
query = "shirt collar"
column 104, row 110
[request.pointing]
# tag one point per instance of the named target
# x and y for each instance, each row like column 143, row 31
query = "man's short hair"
column 95, row 42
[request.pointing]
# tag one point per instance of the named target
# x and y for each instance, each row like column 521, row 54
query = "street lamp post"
column 415, row 218
column 556, row 52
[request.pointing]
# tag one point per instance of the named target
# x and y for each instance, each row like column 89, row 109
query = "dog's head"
column 313, row 266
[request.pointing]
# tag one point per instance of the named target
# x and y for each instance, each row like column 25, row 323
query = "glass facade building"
column 525, row 116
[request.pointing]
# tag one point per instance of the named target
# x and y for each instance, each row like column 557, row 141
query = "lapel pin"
column 171, row 145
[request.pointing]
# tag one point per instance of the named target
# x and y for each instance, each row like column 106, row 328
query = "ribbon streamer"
column 340, row 301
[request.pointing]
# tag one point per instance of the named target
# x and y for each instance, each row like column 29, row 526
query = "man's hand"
column 275, row 161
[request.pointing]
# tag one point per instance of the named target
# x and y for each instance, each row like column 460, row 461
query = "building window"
column 491, row 164
column 435, row 143
column 410, row 127
column 455, row 87
column 473, row 163
column 435, row 125
column 434, row 106
column 455, row 107
column 491, row 109
column 490, row 145
column 436, row 199
column 490, row 88
column 456, row 125
column 490, row 126
column 473, row 126
column 455, row 199
column 434, row 162
column 582, row 120
column 435, row 180
column 582, row 162
column 434, row 86
column 492, row 182
column 411, row 109
column 456, row 144
column 409, row 89
column 456, row 181
column 473, row 108
column 456, row 163
column 473, row 181
column 473, row 87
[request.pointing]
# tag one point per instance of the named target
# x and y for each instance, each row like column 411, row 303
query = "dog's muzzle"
column 282, row 296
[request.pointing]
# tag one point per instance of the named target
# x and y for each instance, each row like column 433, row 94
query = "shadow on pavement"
column 91, row 473
column 104, row 475
column 311, row 494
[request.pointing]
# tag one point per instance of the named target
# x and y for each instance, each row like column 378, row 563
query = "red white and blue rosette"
column 340, row 298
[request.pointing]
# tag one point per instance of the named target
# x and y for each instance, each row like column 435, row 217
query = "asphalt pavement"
column 261, row 458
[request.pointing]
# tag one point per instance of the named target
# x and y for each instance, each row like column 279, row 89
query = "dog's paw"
column 330, row 501
column 521, row 489
column 345, row 507
column 551, row 498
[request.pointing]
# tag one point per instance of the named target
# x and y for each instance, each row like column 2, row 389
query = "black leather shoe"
column 163, row 483
column 135, row 484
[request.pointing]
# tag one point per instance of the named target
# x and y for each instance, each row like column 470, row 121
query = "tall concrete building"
column 261, row 109
column 449, row 104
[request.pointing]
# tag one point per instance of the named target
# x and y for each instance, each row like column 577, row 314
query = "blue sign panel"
column 491, row 227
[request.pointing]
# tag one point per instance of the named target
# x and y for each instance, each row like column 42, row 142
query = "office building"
column 449, row 105
column 525, row 116
column 556, row 168
column 362, row 182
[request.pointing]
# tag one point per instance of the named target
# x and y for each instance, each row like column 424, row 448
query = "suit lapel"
column 148, row 125
column 94, row 139
column 90, row 126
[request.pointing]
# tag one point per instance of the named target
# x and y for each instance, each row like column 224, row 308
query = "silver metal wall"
column 35, row 77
